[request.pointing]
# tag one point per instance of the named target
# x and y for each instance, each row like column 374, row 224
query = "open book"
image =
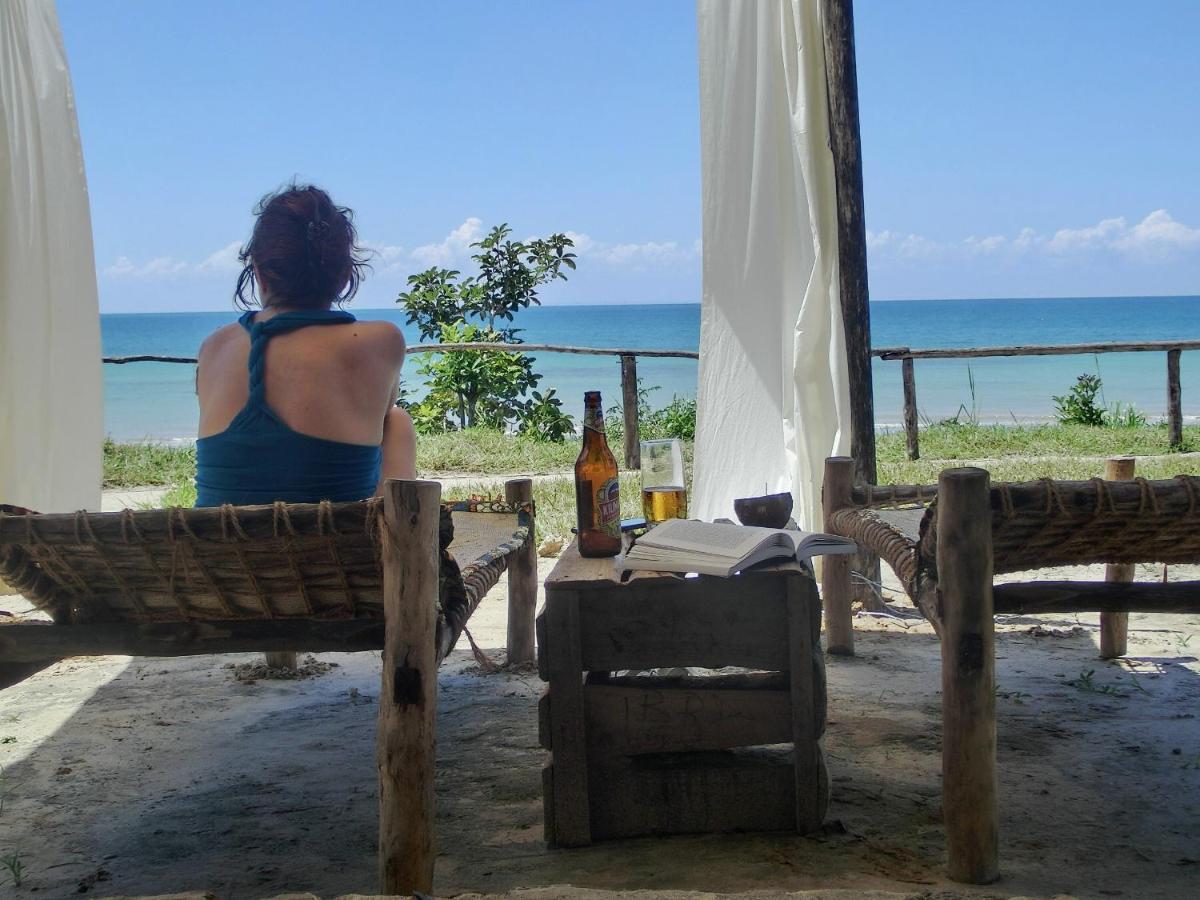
column 683, row 545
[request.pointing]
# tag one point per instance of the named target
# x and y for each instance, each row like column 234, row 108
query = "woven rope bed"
column 1034, row 525
column 947, row 542
column 280, row 562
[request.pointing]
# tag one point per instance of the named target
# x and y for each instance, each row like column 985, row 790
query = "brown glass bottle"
column 597, row 486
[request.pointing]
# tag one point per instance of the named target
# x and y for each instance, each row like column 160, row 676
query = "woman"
column 297, row 399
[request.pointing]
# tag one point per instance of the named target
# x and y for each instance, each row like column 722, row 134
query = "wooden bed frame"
column 287, row 577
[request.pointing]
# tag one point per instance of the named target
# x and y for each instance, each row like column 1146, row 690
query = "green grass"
column 134, row 465
column 1009, row 453
column 967, row 441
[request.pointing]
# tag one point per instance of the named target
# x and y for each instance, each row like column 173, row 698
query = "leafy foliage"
column 676, row 420
column 469, row 388
column 1078, row 406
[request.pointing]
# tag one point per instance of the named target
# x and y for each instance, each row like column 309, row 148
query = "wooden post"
column 1174, row 399
column 845, row 141
column 522, row 581
column 835, row 570
column 408, row 698
column 964, row 566
column 806, row 752
column 568, row 738
column 629, row 406
column 283, row 659
column 910, row 406
column 1114, row 627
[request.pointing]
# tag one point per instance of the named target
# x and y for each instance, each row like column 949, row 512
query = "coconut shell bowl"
column 770, row 511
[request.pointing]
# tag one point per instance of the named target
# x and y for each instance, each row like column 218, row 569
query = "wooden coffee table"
column 634, row 752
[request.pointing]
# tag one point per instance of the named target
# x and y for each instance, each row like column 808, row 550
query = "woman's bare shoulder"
column 382, row 338
column 222, row 338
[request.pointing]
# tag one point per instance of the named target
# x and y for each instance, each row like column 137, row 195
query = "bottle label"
column 593, row 419
column 608, row 508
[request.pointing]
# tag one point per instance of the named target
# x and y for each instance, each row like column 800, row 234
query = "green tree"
column 476, row 387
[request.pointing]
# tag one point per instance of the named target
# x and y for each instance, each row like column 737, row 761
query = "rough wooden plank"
column 709, row 623
column 969, row 781
column 567, row 723
column 1174, row 399
column 625, row 719
column 893, row 353
column 1032, row 597
column 554, row 348
column 835, row 570
column 911, row 426
column 1114, row 627
column 629, row 408
column 30, row 641
column 846, row 145
column 580, row 572
column 692, row 793
column 806, row 752
column 408, row 697
column 543, row 652
column 522, row 582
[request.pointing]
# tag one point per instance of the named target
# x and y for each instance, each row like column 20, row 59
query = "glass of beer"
column 664, row 495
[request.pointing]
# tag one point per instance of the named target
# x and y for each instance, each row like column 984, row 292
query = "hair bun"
column 317, row 231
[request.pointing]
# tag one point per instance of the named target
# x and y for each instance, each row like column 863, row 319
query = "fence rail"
column 627, row 358
column 906, row 355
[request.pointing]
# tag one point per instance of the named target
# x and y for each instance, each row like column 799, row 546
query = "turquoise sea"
column 156, row 400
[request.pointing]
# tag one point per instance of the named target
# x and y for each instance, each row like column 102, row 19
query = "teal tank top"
column 258, row 459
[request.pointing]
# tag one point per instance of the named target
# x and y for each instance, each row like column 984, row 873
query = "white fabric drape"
column 773, row 392
column 51, row 412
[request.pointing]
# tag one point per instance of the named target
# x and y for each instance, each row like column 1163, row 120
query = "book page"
column 733, row 541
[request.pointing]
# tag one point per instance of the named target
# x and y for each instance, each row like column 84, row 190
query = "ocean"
column 156, row 401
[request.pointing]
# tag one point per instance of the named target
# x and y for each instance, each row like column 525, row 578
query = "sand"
column 152, row 776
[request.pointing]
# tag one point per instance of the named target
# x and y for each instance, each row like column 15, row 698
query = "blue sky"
column 1017, row 149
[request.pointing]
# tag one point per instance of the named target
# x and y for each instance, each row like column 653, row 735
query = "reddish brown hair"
column 304, row 250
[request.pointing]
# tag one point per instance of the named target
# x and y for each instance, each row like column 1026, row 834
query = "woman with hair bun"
column 297, row 399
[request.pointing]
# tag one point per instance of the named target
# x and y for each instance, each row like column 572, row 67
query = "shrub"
column 1078, row 406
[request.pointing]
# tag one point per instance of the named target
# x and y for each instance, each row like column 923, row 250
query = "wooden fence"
column 628, row 360
column 907, row 356
column 1173, row 349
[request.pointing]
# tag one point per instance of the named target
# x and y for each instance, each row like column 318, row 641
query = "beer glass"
column 664, row 495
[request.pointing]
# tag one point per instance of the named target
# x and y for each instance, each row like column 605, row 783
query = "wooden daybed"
column 945, row 543
column 285, row 577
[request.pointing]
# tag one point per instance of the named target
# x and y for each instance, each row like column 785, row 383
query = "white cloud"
column 454, row 247
column 634, row 255
column 451, row 251
column 159, row 267
column 1157, row 237
column 224, row 260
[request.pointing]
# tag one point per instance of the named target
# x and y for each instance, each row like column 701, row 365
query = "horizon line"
column 397, row 307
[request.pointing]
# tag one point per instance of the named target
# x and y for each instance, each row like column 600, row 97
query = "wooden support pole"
column 629, row 406
column 1114, row 627
column 571, row 810
column 1174, row 398
column 522, row 581
column 408, row 698
column 285, row 659
column 846, row 143
column 806, row 752
column 835, row 570
column 910, row 406
column 969, row 788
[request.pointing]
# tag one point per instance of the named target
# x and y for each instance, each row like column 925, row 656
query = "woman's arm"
column 399, row 447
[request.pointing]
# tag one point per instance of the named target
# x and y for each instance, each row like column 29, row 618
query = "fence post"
column 1114, row 626
column 910, row 406
column 629, row 405
column 1174, row 400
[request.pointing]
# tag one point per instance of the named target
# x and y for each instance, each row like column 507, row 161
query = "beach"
column 143, row 776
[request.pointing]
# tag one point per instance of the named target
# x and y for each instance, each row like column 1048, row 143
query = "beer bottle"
column 597, row 496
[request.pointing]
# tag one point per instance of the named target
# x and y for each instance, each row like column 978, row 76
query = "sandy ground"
column 143, row 776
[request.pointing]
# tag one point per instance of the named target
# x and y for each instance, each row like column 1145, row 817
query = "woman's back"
column 296, row 400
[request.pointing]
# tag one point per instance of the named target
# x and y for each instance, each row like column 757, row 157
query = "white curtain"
column 51, row 410
column 773, row 391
